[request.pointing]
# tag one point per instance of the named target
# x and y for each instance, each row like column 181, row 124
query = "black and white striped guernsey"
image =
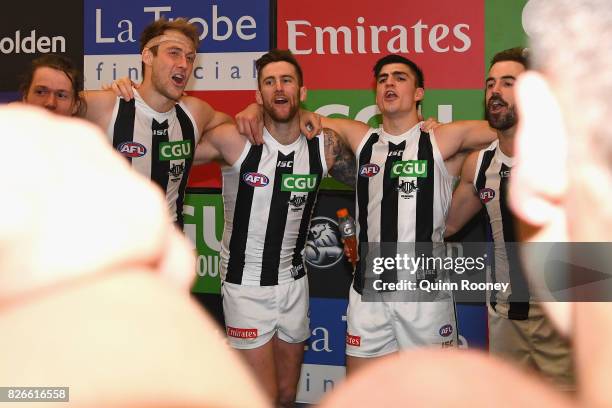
column 159, row 146
column 268, row 197
column 491, row 183
column 403, row 190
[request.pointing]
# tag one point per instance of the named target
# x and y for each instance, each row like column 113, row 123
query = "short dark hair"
column 60, row 63
column 398, row 59
column 160, row 26
column 277, row 55
column 516, row 54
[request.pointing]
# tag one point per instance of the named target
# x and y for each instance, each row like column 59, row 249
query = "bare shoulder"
column 204, row 114
column 199, row 108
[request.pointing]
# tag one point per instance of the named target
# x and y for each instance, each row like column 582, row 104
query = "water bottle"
column 346, row 225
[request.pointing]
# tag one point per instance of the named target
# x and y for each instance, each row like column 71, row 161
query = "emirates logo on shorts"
column 242, row 333
column 353, row 340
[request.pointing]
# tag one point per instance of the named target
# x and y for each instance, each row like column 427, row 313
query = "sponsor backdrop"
column 337, row 43
column 27, row 32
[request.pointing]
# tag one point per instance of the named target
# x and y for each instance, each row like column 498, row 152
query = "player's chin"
column 281, row 116
column 174, row 91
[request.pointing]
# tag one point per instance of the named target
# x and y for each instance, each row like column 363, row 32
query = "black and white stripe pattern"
column 137, row 126
column 491, row 183
column 400, row 209
column 265, row 226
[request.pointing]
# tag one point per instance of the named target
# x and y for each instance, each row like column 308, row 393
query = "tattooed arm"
column 339, row 158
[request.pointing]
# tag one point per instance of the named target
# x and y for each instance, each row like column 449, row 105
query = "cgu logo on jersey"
column 486, row 195
column 132, row 149
column 369, row 170
column 256, row 179
column 174, row 150
column 299, row 183
column 409, row 168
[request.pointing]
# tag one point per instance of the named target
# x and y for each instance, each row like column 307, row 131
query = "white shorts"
column 253, row 314
column 378, row 328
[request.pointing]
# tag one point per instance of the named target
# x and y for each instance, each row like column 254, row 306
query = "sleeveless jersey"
column 403, row 190
column 159, row 146
column 491, row 184
column 268, row 197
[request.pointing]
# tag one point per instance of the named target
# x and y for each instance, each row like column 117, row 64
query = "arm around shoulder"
column 222, row 143
column 98, row 107
column 462, row 136
column 340, row 159
column 351, row 132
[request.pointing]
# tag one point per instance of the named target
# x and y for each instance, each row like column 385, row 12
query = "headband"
column 155, row 41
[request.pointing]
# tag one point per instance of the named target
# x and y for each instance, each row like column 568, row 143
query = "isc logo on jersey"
column 299, row 183
column 369, row 170
column 132, row 149
column 409, row 168
column 256, row 179
column 174, row 150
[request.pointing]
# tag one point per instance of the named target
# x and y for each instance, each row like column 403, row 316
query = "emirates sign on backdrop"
column 338, row 42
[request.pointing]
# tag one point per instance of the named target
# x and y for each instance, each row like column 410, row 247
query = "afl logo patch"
column 369, row 170
column 446, row 330
column 132, row 149
column 486, row 195
column 256, row 179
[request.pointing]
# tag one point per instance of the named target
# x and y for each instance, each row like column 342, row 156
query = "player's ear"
column 77, row 107
column 258, row 97
column 303, row 93
column 147, row 57
column 419, row 94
